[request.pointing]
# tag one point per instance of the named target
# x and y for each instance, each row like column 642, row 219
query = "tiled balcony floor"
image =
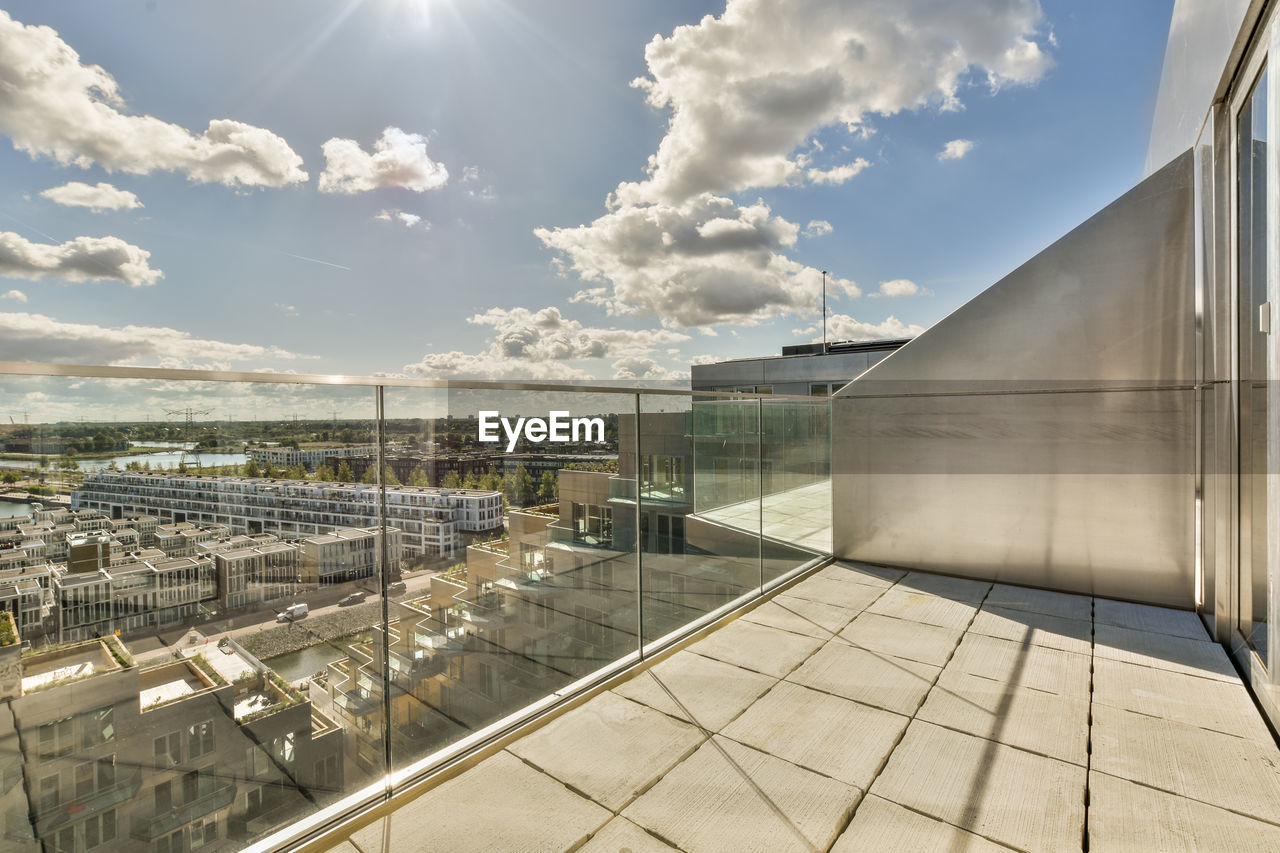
column 865, row 709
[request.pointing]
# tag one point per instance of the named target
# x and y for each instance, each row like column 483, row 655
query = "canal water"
column 308, row 661
column 158, row 460
column 13, row 510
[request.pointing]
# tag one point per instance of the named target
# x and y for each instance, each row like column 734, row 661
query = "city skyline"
column 470, row 198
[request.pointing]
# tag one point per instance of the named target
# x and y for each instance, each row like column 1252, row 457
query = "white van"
column 292, row 612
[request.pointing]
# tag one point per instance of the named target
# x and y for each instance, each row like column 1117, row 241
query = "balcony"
column 874, row 709
column 212, row 796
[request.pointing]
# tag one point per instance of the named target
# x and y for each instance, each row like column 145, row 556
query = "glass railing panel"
column 699, row 508
column 172, row 589
column 795, row 483
column 536, row 589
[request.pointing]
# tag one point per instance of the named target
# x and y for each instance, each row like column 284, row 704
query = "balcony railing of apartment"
column 393, row 693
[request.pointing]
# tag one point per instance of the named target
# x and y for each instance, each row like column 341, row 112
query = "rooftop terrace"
column 873, row 709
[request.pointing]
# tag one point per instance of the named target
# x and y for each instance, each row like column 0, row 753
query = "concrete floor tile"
column 1223, row 770
column 1051, row 725
column 894, row 684
column 1010, row 796
column 956, row 589
column 1169, row 823
column 1030, row 667
column 866, row 573
column 1045, row 601
column 1204, row 702
column 709, row 692
column 881, row 825
column 851, row 596
column 833, row 736
column 779, row 615
column 518, row 801
column 727, row 796
column 902, row 638
column 619, row 835
column 1040, row 629
column 1163, row 651
column 757, row 647
column 1144, row 617
column 829, row 616
column 904, row 603
column 610, row 749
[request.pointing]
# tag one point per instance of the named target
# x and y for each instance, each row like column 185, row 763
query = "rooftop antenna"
column 824, row 312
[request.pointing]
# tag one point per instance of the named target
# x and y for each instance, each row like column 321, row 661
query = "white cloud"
column 842, row 327
column 405, row 218
column 15, row 295
column 899, row 287
column 955, row 149
column 643, row 367
column 399, row 159
column 837, row 174
column 35, row 337
column 706, row 261
column 81, row 259
column 749, row 87
column 53, row 105
column 537, row 344
column 705, row 359
column 96, row 198
column 470, row 173
column 747, row 92
column 817, row 228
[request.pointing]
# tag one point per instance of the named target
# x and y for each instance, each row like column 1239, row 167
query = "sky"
column 523, row 189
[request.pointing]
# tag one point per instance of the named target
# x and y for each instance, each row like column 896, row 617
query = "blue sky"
column 808, row 137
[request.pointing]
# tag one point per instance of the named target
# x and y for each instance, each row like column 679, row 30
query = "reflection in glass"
column 1254, row 374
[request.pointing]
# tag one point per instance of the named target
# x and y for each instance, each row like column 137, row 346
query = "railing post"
column 384, row 566
column 639, row 547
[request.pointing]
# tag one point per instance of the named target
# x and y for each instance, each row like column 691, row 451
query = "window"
column 84, row 779
column 204, row 832
column 97, row 727
column 49, row 793
column 168, row 750
column 57, row 739
column 100, row 829
column 200, row 739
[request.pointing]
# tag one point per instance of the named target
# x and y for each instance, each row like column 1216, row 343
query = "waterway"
column 158, row 460
column 307, row 662
column 8, row 510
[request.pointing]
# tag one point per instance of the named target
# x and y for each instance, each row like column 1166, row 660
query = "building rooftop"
column 874, row 709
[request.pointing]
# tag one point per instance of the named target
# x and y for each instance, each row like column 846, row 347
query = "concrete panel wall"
column 1044, row 433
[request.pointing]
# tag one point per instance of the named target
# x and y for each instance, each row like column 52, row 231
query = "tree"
column 325, row 474
column 344, row 474
column 419, row 477
column 470, row 481
column 525, row 492
column 370, row 475
column 491, row 480
column 388, row 476
column 9, row 477
column 295, row 472
column 549, row 491
column 251, row 469
column 451, row 481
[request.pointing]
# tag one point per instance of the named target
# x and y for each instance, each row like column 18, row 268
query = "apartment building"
column 195, row 754
column 310, row 458
column 431, row 520
column 348, row 554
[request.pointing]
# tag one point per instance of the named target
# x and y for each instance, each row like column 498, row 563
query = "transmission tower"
column 189, row 440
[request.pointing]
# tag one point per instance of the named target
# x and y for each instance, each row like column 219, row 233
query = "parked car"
column 292, row 612
column 353, row 598
column 396, row 588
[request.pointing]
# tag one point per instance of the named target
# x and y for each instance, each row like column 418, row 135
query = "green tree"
column 344, row 474
column 525, row 491
column 325, row 474
column 470, row 481
column 549, row 491
column 451, row 481
column 388, row 476
column 419, row 477
column 295, row 472
column 370, row 475
column 491, row 480
column 251, row 469
column 9, row 477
